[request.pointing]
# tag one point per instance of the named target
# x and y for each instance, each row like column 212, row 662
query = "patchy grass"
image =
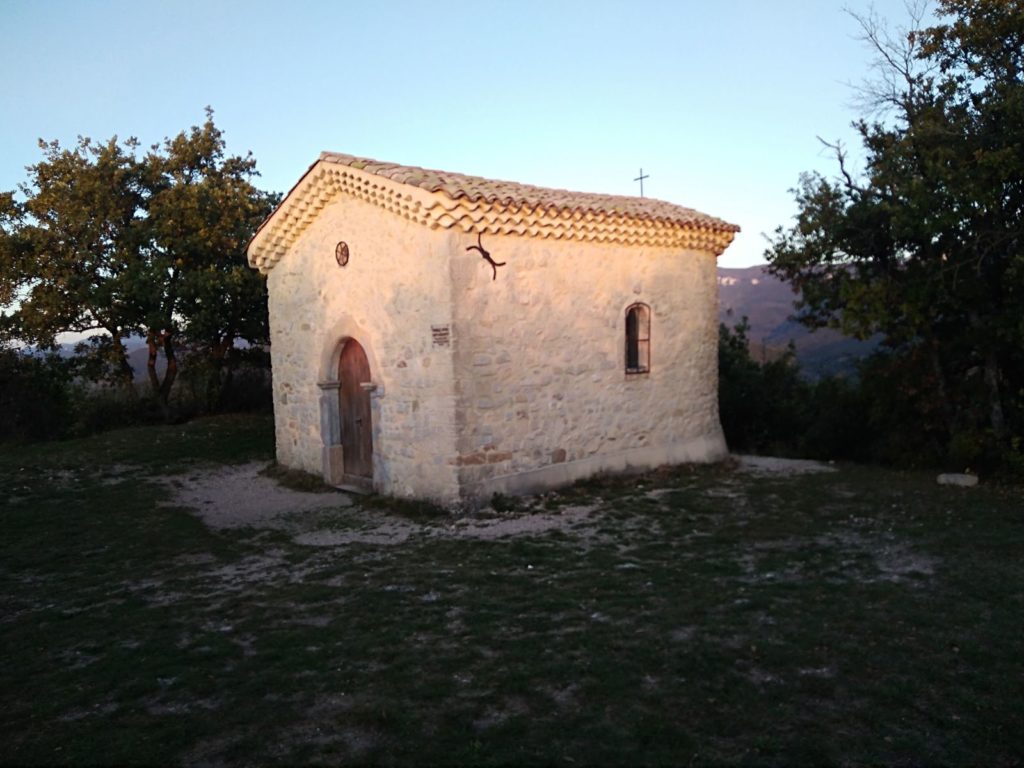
column 415, row 510
column 694, row 615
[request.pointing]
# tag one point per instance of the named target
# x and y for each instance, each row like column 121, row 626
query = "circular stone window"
column 341, row 253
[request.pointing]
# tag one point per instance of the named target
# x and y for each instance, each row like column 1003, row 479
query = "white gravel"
column 239, row 497
column 769, row 465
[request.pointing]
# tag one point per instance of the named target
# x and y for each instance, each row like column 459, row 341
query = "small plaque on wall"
column 441, row 335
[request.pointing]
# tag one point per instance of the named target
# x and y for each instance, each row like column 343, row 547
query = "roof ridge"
column 454, row 186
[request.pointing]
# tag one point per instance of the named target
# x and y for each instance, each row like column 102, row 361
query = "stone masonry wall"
column 540, row 362
column 394, row 297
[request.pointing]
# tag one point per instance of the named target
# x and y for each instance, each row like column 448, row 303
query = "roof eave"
column 586, row 220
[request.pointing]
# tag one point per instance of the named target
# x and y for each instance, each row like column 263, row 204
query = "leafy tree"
column 203, row 211
column 109, row 241
column 35, row 396
column 762, row 405
column 767, row 407
column 69, row 255
column 924, row 245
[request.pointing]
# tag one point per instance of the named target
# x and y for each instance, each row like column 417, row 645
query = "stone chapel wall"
column 394, row 297
column 544, row 398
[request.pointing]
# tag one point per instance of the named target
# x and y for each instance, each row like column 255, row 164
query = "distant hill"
column 138, row 357
column 768, row 304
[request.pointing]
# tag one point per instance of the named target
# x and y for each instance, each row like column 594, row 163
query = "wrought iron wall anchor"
column 480, row 247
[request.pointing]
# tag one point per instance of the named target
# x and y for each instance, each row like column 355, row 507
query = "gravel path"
column 239, row 497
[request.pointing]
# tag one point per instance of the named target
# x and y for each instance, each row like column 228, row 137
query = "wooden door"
column 356, row 429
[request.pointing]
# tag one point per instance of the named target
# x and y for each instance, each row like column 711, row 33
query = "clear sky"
column 719, row 101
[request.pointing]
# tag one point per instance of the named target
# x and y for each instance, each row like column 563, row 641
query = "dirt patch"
column 239, row 497
column 383, row 530
column 862, row 557
column 385, row 533
column 521, row 525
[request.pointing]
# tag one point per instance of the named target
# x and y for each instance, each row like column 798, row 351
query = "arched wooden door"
column 354, row 408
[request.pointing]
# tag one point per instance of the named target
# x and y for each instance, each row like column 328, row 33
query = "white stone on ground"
column 963, row 480
column 770, row 465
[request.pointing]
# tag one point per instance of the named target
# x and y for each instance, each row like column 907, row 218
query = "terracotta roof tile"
column 477, row 189
column 471, row 204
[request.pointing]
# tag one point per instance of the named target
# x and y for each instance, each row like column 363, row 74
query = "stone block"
column 333, row 464
column 958, row 479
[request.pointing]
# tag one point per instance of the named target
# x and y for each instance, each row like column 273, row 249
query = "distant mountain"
column 767, row 302
column 138, row 356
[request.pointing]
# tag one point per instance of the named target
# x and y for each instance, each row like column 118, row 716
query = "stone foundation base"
column 699, row 450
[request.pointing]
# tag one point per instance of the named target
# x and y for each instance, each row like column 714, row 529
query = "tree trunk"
column 948, row 412
column 127, row 374
column 161, row 389
column 992, row 376
column 172, row 367
column 995, row 400
column 221, row 373
column 225, row 386
column 154, row 378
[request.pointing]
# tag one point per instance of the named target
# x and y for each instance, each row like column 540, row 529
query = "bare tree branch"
column 898, row 68
column 840, row 153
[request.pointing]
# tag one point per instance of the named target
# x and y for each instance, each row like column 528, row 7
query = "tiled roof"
column 475, row 189
column 440, row 199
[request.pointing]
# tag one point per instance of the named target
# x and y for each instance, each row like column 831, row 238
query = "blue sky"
column 720, row 102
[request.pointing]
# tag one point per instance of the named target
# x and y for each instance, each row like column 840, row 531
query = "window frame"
column 638, row 342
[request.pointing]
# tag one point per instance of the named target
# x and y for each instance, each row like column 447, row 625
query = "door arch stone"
column 347, row 415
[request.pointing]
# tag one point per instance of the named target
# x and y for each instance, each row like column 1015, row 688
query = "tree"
column 924, row 245
column 762, row 404
column 203, row 211
column 70, row 253
column 35, row 396
column 112, row 242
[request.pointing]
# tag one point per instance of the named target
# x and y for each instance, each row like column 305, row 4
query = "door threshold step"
column 354, row 489
column 362, row 486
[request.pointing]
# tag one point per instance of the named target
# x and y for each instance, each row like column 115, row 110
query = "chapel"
column 448, row 337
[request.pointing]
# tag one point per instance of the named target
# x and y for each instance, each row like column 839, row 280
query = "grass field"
column 691, row 616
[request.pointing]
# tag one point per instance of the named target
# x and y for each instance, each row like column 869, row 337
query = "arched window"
column 638, row 339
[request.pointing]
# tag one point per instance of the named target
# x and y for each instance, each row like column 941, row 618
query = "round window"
column 341, row 253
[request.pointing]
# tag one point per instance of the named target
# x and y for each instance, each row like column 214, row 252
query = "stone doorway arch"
column 346, row 418
column 356, row 416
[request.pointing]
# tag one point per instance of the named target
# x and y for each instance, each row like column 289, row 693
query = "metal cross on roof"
column 641, row 178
